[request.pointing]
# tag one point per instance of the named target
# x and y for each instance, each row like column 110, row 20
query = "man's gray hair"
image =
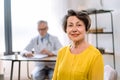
column 42, row 21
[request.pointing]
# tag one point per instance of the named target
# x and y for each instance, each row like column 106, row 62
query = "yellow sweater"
column 87, row 65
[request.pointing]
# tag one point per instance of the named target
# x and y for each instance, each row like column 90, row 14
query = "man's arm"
column 56, row 45
column 27, row 52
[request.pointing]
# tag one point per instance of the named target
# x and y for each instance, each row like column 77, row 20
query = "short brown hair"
column 81, row 15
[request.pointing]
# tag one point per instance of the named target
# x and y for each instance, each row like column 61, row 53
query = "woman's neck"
column 78, row 46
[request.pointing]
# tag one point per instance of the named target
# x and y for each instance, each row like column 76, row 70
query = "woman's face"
column 75, row 29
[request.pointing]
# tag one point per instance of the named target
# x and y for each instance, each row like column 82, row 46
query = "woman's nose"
column 74, row 29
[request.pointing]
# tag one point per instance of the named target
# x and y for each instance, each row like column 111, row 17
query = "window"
column 2, row 41
column 26, row 14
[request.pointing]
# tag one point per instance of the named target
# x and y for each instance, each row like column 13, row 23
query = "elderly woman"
column 79, row 60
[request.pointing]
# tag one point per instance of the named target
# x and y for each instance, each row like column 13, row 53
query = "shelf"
column 94, row 11
column 100, row 11
column 108, row 53
column 104, row 52
column 100, row 32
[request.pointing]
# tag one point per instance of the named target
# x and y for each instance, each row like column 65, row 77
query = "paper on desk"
column 39, row 56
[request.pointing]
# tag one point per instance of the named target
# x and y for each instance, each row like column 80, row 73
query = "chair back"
column 109, row 73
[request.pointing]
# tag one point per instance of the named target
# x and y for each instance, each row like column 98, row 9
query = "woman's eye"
column 70, row 25
column 78, row 25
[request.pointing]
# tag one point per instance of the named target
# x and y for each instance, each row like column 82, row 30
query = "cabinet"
column 102, row 36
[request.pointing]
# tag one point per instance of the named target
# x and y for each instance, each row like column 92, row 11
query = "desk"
column 20, row 58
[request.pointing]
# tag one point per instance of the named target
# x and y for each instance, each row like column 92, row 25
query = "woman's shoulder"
column 94, row 50
column 62, row 50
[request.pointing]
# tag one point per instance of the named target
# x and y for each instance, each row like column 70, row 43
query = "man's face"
column 42, row 29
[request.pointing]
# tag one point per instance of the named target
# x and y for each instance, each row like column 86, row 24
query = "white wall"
column 96, row 4
column 111, row 4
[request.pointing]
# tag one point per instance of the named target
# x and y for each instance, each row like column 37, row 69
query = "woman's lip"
column 75, row 35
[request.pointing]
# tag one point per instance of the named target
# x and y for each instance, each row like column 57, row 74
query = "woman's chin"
column 75, row 40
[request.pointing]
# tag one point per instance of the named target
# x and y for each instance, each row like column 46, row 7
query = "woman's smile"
column 74, row 35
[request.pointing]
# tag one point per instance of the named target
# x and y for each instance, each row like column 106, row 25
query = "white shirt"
column 50, row 43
